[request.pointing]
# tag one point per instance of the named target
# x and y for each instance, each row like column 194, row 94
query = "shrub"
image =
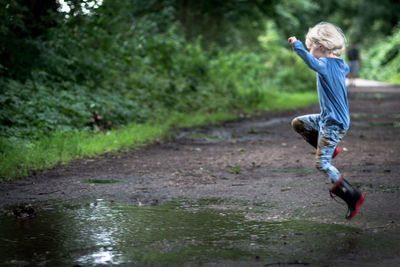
column 382, row 61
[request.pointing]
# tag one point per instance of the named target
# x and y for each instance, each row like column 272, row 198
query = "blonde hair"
column 327, row 35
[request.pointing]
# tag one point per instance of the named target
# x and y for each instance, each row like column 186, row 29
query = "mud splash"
column 105, row 233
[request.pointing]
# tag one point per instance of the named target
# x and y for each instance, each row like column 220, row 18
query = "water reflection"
column 99, row 225
column 100, row 232
column 100, row 257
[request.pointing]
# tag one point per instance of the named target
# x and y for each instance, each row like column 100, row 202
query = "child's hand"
column 292, row 39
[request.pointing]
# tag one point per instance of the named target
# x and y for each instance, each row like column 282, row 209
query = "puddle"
column 257, row 130
column 212, row 136
column 205, row 136
column 266, row 124
column 104, row 233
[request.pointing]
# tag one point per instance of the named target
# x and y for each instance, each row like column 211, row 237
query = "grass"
column 19, row 158
column 198, row 119
column 279, row 102
column 23, row 158
column 235, row 169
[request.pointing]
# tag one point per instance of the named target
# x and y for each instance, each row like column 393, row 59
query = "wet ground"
column 241, row 193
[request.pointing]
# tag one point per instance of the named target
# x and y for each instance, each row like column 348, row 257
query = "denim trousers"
column 323, row 138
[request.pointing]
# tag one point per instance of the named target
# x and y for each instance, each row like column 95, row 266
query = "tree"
column 24, row 23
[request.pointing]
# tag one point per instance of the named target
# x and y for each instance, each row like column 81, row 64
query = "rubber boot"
column 352, row 196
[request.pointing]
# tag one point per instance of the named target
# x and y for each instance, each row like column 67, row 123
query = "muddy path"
column 256, row 166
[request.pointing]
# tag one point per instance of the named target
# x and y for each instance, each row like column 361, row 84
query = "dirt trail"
column 254, row 162
column 255, row 159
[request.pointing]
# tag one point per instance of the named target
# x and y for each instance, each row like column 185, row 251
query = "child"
column 325, row 130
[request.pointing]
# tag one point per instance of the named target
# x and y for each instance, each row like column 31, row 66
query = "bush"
column 138, row 77
column 132, row 71
column 382, row 61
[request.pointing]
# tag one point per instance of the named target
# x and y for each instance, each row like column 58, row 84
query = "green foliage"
column 287, row 72
column 19, row 157
column 24, row 24
column 363, row 21
column 133, row 70
column 235, row 169
column 139, row 77
column 382, row 61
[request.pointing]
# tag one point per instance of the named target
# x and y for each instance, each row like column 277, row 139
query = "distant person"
column 353, row 55
column 325, row 130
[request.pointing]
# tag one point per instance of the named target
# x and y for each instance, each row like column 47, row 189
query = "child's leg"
column 327, row 142
column 308, row 127
column 342, row 188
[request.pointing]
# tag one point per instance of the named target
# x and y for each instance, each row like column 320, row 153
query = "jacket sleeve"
column 312, row 62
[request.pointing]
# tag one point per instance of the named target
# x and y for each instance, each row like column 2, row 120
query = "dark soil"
column 259, row 160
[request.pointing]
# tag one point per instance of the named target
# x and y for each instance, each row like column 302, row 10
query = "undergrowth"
column 135, row 80
column 382, row 61
column 21, row 158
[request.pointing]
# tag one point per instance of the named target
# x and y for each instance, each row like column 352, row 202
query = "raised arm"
column 312, row 62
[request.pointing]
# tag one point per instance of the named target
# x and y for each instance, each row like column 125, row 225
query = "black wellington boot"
column 352, row 196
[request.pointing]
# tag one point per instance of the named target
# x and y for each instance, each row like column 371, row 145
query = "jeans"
column 324, row 139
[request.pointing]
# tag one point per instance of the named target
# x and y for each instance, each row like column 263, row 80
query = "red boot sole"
column 358, row 204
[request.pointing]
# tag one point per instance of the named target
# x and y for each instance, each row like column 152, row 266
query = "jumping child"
column 325, row 130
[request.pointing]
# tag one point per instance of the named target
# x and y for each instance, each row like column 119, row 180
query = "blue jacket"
column 331, row 87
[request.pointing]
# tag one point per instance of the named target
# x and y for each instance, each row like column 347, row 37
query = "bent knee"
column 297, row 124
